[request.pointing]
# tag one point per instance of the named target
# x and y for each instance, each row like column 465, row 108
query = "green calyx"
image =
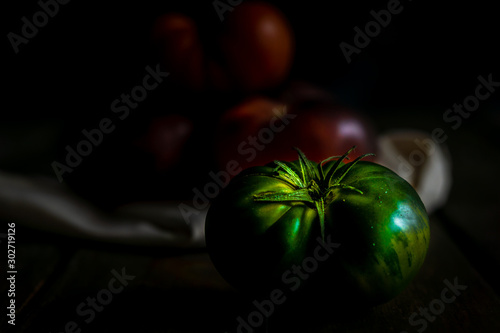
column 311, row 184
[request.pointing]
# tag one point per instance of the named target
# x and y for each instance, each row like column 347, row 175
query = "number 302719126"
column 11, row 247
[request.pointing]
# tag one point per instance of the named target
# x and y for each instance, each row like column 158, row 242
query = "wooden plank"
column 472, row 215
column 87, row 275
column 184, row 293
column 36, row 262
column 165, row 292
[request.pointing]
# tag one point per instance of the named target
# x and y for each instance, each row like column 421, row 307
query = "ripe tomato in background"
column 260, row 130
column 165, row 139
column 258, row 45
column 179, row 45
column 329, row 130
column 252, row 50
column 238, row 124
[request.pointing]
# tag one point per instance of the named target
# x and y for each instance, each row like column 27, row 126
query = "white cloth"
column 45, row 204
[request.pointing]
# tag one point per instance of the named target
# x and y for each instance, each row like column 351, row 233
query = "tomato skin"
column 389, row 246
column 258, row 45
column 176, row 36
column 383, row 235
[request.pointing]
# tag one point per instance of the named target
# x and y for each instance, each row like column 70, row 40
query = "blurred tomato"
column 258, row 45
column 165, row 139
column 329, row 129
column 337, row 127
column 260, row 130
column 239, row 125
column 176, row 36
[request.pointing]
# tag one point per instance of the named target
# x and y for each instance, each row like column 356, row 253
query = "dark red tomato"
column 165, row 139
column 258, row 45
column 260, row 130
column 328, row 128
column 176, row 36
column 239, row 125
column 325, row 124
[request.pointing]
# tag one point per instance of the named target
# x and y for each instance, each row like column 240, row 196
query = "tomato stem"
column 312, row 186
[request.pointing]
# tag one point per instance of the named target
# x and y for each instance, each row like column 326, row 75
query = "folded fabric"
column 45, row 204
column 424, row 163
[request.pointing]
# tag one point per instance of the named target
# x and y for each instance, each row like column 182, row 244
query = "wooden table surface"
column 164, row 290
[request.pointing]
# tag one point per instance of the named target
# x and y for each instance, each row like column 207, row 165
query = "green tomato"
column 354, row 231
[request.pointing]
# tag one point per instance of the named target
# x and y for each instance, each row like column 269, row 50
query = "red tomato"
column 326, row 124
column 165, row 139
column 259, row 131
column 258, row 45
column 328, row 129
column 238, row 124
column 177, row 38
